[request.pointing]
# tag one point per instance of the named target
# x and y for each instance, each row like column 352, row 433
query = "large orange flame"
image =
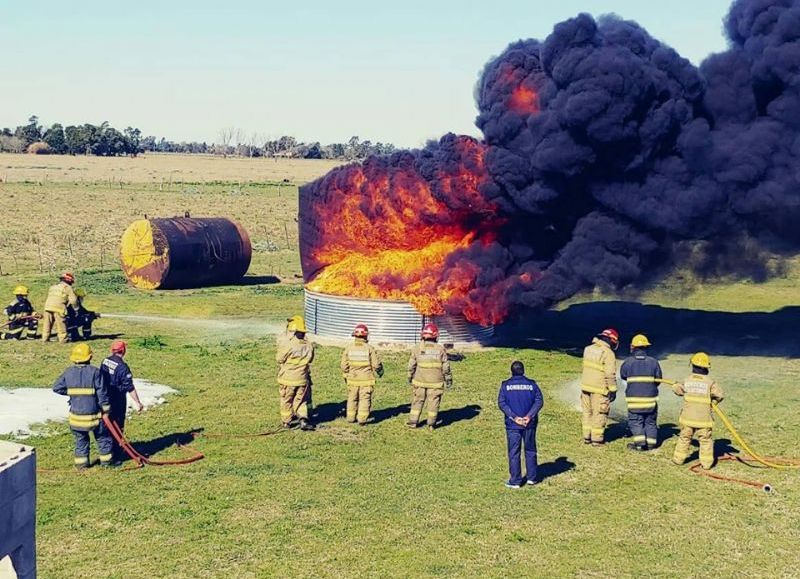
column 383, row 230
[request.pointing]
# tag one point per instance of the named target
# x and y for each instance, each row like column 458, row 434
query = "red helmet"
column 118, row 347
column 68, row 277
column 612, row 335
column 430, row 331
column 361, row 331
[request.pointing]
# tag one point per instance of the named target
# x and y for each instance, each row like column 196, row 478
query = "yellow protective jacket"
column 599, row 368
column 294, row 358
column 58, row 297
column 698, row 391
column 360, row 364
column 428, row 366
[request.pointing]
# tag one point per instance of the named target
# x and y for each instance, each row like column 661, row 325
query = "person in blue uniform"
column 119, row 382
column 520, row 400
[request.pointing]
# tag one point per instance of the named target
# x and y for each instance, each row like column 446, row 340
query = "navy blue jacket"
column 87, row 393
column 117, row 375
column 641, row 372
column 520, row 397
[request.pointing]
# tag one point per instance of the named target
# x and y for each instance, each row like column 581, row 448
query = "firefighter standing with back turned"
column 22, row 319
column 360, row 367
column 598, row 385
column 641, row 372
column 59, row 296
column 699, row 391
column 428, row 373
column 294, row 357
column 88, row 401
column 119, row 383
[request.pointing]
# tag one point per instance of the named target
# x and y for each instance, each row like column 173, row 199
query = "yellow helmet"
column 640, row 341
column 296, row 324
column 20, row 290
column 701, row 360
column 80, row 292
column 81, row 353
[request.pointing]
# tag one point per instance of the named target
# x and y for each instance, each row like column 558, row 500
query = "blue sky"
column 401, row 72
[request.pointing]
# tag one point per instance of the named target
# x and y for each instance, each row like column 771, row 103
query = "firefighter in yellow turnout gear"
column 699, row 390
column 59, row 297
column 428, row 373
column 360, row 367
column 598, row 385
column 294, row 357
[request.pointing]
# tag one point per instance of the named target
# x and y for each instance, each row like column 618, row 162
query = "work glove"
column 612, row 396
column 379, row 371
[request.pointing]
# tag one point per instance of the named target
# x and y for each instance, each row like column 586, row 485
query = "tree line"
column 106, row 141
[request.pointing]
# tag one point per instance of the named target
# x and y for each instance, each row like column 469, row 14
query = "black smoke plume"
column 607, row 153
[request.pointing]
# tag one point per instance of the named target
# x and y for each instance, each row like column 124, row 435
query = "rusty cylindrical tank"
column 184, row 252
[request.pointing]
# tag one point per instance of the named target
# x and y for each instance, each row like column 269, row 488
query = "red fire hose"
column 140, row 459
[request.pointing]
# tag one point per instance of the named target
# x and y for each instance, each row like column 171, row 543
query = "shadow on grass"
column 104, row 337
column 257, row 280
column 152, row 447
column 453, row 415
column 619, row 430
column 389, row 413
column 328, row 412
column 670, row 329
column 550, row 469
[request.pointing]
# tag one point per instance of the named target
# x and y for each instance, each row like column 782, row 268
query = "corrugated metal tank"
column 389, row 321
column 184, row 252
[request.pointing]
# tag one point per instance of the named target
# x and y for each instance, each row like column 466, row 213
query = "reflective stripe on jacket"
column 641, row 392
column 294, row 357
column 428, row 366
column 87, row 393
column 599, row 368
column 698, row 391
column 59, row 297
column 117, row 374
column 360, row 364
column 19, row 308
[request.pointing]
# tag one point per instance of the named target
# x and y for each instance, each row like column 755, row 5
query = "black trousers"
column 517, row 438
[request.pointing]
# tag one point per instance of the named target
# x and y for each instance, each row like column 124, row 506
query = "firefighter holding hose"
column 79, row 320
column 642, row 374
column 294, row 357
column 428, row 374
column 119, row 383
column 360, row 367
column 23, row 320
column 598, row 385
column 59, row 296
column 699, row 391
column 88, row 401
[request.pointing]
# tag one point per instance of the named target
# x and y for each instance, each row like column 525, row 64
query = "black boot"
column 306, row 425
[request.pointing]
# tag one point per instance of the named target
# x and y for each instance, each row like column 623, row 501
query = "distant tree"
column 11, row 144
column 225, row 136
column 31, row 132
column 133, row 138
column 54, row 137
column 314, row 151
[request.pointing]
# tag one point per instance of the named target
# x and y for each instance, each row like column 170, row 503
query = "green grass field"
column 382, row 500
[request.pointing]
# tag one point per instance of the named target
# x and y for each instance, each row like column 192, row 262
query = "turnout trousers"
column 53, row 320
column 644, row 428
column 119, row 408
column 595, row 409
column 359, row 403
column 293, row 403
column 683, row 447
column 517, row 439
column 422, row 396
column 101, row 437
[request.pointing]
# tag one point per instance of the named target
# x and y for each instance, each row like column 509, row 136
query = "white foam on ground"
column 227, row 327
column 22, row 408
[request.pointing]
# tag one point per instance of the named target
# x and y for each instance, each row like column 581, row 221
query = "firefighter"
column 699, row 391
column 284, row 340
column 79, row 320
column 119, row 383
column 88, row 402
column 641, row 373
column 598, row 385
column 428, row 374
column 23, row 321
column 360, row 367
column 59, row 297
column 294, row 358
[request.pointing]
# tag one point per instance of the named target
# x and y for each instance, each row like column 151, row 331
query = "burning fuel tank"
column 389, row 321
column 184, row 252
